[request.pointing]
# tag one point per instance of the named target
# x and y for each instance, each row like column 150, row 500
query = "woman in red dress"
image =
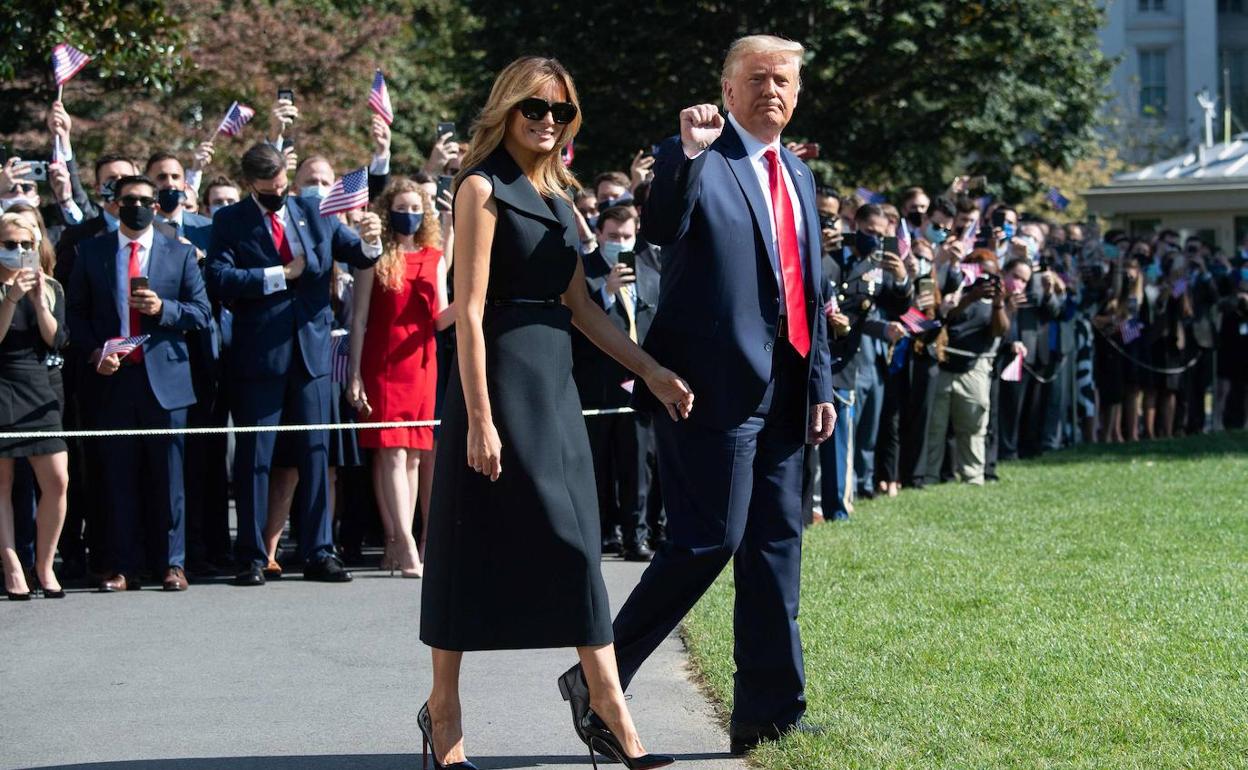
column 399, row 304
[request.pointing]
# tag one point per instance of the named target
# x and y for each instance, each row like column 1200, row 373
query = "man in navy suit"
column 170, row 177
column 734, row 213
column 270, row 261
column 139, row 282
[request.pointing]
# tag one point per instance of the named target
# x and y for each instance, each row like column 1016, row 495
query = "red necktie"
column 790, row 257
column 136, row 319
column 279, row 239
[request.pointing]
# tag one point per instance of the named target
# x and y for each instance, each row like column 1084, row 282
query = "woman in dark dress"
column 513, row 555
column 32, row 325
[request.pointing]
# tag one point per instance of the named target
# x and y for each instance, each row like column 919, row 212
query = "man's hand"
column 1020, row 349
column 24, row 282
column 107, row 366
column 203, row 156
column 951, row 252
column 840, row 323
column 381, row 138
column 292, row 159
column 15, row 170
column 146, row 301
column 293, row 269
column 700, row 126
column 59, row 122
column 893, row 264
column 369, row 227
column 58, row 180
column 925, row 301
column 822, row 423
column 639, row 171
column 284, row 113
column 441, row 154
column 894, row 331
column 621, row 275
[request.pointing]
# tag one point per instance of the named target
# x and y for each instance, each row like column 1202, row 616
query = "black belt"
column 521, row 302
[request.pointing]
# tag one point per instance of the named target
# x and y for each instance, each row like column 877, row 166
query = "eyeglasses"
column 24, row 187
column 13, row 245
column 940, row 228
column 142, row 201
column 534, row 108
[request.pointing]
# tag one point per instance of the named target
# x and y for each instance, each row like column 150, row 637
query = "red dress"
column 399, row 364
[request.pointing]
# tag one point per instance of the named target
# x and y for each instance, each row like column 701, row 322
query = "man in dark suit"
column 734, row 213
column 620, row 442
column 271, row 261
column 140, row 281
column 170, row 178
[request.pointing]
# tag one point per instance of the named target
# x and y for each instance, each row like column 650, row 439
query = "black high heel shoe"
column 603, row 741
column 425, row 723
column 45, row 593
column 14, row 596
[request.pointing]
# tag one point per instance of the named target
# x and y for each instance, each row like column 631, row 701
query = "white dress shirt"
column 122, row 296
column 274, row 277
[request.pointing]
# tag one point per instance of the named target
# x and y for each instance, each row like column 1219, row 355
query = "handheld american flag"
column 379, row 98
column 1013, row 371
column 1129, row 330
column 917, row 323
column 1059, row 201
column 121, row 346
column 870, row 196
column 339, row 355
column 348, row 193
column 235, row 118
column 67, row 61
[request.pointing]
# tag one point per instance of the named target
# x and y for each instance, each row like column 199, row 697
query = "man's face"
column 876, row 225
column 609, row 191
column 620, row 232
column 111, row 172
column 1074, row 233
column 588, row 206
column 918, row 203
column 961, row 221
column 762, row 92
column 1020, row 272
column 275, row 186
column 1035, row 231
column 316, row 173
column 167, row 174
column 23, row 189
column 829, row 209
column 940, row 219
column 222, row 195
column 141, row 195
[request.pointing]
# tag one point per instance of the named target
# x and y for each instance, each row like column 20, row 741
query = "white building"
column 1172, row 49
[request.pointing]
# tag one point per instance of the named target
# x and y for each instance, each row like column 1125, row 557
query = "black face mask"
column 170, row 199
column 136, row 217
column 915, row 219
column 272, row 201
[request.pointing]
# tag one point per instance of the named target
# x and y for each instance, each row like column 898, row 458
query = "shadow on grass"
column 1201, row 447
column 342, row 762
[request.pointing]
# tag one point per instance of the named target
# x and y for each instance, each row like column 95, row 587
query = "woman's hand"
column 25, row 281
column 357, row 397
column 485, row 449
column 672, row 392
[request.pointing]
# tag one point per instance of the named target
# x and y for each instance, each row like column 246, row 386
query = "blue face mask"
column 1031, row 245
column 1110, row 250
column 935, row 235
column 613, row 249
column 406, row 222
column 1008, row 229
column 865, row 243
column 313, row 192
column 1152, row 272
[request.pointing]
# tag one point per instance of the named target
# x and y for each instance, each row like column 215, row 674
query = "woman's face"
column 29, row 218
column 408, row 203
column 1133, row 269
column 538, row 136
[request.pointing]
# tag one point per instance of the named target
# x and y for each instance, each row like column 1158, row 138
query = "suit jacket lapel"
column 109, row 263
column 811, row 237
column 515, row 189
column 260, row 231
column 743, row 169
column 297, row 222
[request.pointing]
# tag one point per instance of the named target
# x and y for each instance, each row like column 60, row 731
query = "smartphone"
column 977, row 183
column 889, row 245
column 812, row 149
column 925, row 285
column 30, row 259
column 287, row 94
column 443, row 130
column 138, row 282
column 444, row 184
column 998, row 218
column 628, row 259
column 38, row 170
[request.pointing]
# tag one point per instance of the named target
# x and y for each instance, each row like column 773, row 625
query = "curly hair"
column 390, row 266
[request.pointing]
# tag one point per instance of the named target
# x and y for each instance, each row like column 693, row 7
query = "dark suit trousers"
column 732, row 494
column 144, row 475
column 294, row 399
column 207, row 486
column 619, row 443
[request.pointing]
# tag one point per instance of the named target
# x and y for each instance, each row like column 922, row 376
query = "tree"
column 896, row 91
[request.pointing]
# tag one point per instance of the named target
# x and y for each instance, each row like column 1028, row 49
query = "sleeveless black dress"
column 514, row 564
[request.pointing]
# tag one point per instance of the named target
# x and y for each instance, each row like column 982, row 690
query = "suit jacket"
column 720, row 303
column 173, row 274
column 869, row 296
column 266, row 327
column 197, row 229
column 598, row 375
column 1030, row 322
column 71, row 239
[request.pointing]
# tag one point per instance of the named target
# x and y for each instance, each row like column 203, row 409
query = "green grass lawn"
column 1088, row 611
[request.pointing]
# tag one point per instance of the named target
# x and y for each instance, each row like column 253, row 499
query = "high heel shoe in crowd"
column 48, row 593
column 602, row 741
column 425, row 722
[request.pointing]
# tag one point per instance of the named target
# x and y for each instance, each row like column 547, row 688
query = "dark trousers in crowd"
column 620, row 444
column 888, row 441
column 1055, row 395
column 733, row 495
column 207, row 488
column 656, row 514
column 1196, row 385
column 24, row 501
column 1020, row 419
column 918, row 405
column 868, row 405
column 145, row 491
column 836, row 460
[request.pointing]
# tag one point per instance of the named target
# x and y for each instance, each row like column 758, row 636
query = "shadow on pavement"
column 344, row 762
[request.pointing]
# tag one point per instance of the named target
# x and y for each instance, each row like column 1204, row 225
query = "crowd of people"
column 962, row 331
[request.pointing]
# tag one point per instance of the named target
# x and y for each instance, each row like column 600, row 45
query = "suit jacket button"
column 767, row 346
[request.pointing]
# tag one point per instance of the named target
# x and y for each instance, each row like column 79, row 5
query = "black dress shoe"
column 251, row 576
column 744, row 738
column 327, row 569
column 612, row 547
column 641, row 552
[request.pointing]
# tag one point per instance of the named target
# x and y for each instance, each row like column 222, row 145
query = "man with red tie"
column 270, row 261
column 739, row 316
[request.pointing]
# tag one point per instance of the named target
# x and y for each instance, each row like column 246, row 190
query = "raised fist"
column 699, row 127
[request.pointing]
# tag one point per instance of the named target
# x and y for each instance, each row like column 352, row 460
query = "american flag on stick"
column 379, row 99
column 121, row 346
column 1130, row 330
column 348, row 193
column 339, row 355
column 1013, row 371
column 870, row 196
column 1059, row 201
column 67, row 61
column 235, row 118
column 917, row 323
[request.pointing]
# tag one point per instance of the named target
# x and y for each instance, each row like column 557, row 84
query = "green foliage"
column 1086, row 612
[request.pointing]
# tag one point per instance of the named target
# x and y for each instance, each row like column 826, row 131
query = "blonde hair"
column 390, row 268
column 756, row 44
column 47, row 253
column 520, row 80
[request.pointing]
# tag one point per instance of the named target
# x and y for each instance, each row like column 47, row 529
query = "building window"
column 1235, row 60
column 1153, row 83
column 1230, row 6
column 1152, row 6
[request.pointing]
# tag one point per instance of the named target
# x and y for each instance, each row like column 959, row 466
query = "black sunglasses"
column 534, row 108
column 23, row 187
column 11, row 245
column 142, row 201
column 940, row 228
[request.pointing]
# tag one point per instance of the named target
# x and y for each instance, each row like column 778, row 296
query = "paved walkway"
column 295, row 676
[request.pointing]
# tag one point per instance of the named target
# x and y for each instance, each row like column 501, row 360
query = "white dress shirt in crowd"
column 274, row 277
column 122, row 296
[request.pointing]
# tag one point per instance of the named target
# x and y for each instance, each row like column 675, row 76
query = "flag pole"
column 60, row 91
